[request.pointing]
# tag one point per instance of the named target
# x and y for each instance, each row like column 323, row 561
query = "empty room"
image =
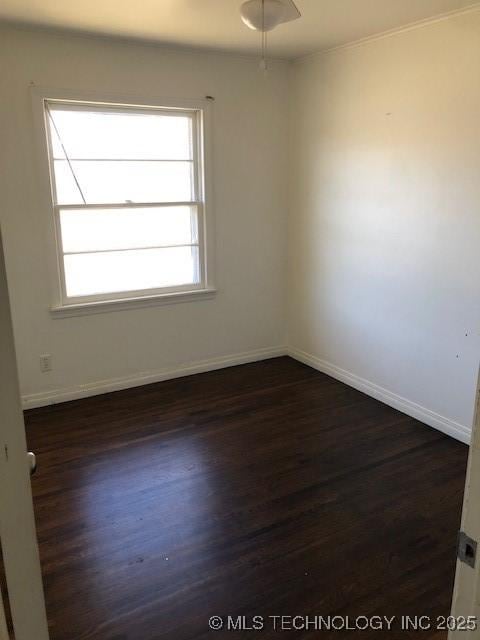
column 239, row 319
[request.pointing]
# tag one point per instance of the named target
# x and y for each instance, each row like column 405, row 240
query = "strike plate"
column 467, row 549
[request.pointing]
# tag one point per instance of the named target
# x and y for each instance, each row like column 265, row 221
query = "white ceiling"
column 215, row 24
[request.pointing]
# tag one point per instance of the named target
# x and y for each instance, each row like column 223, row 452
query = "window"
column 128, row 198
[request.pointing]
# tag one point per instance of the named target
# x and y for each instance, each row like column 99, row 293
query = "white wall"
column 385, row 218
column 250, row 203
column 384, row 228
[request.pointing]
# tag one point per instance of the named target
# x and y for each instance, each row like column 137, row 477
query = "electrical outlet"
column 45, row 363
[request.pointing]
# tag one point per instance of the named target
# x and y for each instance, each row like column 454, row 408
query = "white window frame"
column 201, row 110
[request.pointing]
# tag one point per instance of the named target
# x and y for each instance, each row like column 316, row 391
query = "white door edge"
column 17, row 523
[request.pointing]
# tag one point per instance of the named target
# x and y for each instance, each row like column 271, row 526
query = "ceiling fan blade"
column 291, row 11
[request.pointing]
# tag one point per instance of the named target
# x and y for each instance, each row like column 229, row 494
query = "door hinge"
column 467, row 549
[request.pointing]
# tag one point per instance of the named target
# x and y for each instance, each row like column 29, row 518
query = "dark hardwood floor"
column 260, row 490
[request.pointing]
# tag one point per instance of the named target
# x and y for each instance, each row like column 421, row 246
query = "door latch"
column 32, row 462
column 467, row 549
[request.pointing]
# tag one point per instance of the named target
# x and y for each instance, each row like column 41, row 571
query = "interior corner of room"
column 316, row 220
column 380, row 167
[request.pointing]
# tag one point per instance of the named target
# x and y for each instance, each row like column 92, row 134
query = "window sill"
column 106, row 306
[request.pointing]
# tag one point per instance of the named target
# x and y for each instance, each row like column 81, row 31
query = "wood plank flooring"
column 262, row 490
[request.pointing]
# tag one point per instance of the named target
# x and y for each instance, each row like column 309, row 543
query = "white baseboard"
column 450, row 427
column 43, row 399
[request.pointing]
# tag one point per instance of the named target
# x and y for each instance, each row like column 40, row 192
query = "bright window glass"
column 126, row 196
column 106, row 182
column 116, row 271
column 148, row 134
column 113, row 229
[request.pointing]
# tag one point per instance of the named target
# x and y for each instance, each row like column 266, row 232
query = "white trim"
column 445, row 425
column 45, row 398
column 21, row 562
column 201, row 111
column 412, row 26
column 412, row 409
column 128, row 205
column 123, row 304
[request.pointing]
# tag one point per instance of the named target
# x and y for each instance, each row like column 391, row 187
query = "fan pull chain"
column 263, row 61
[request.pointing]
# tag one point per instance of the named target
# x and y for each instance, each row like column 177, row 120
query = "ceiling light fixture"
column 265, row 15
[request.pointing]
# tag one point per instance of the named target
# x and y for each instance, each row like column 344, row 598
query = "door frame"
column 3, row 621
column 466, row 592
column 17, row 522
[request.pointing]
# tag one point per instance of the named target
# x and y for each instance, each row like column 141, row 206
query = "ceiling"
column 215, row 24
